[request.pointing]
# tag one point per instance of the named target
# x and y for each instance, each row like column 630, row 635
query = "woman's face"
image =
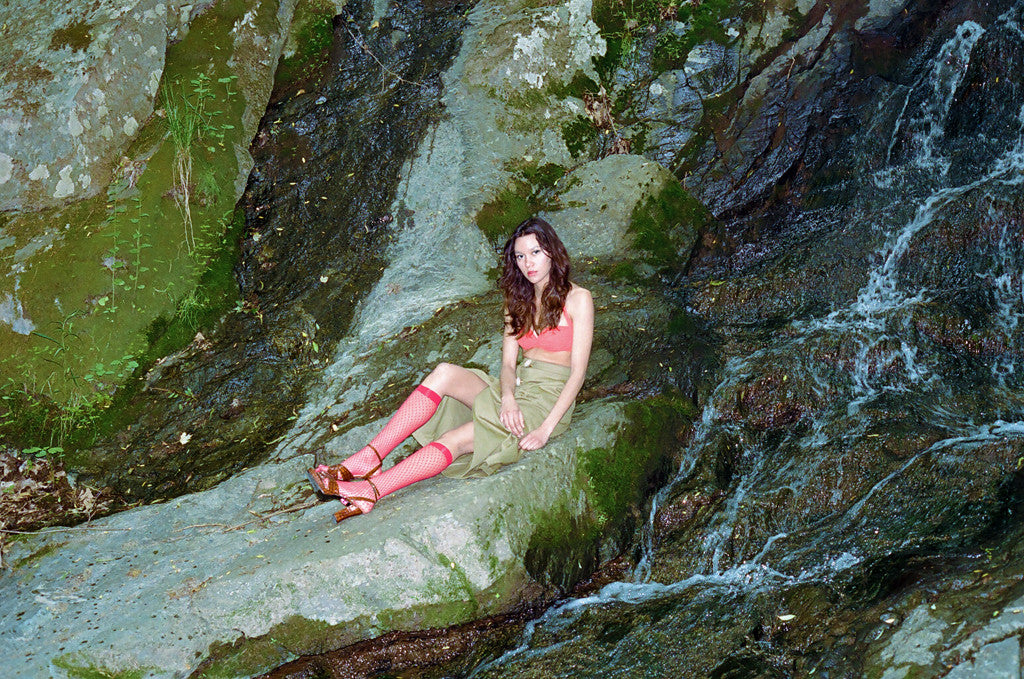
column 532, row 260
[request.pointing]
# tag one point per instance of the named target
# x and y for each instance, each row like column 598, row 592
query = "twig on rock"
column 363, row 46
column 259, row 517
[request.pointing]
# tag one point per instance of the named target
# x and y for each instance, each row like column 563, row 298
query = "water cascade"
column 878, row 459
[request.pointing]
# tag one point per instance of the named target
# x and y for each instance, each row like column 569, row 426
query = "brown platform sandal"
column 380, row 463
column 351, row 509
column 324, row 481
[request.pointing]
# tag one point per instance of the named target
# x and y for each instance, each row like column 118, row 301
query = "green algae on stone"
column 43, row 551
column 77, row 35
column 579, row 135
column 126, row 251
column 298, row 635
column 668, row 224
column 533, row 190
column 567, row 544
column 80, row 666
column 309, row 43
column 618, row 476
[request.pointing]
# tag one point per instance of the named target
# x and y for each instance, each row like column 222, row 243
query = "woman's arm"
column 510, row 414
column 580, row 306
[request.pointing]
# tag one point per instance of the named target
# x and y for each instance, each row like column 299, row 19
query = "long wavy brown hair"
column 520, row 311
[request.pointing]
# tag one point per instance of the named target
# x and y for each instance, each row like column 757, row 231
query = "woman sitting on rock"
column 470, row 423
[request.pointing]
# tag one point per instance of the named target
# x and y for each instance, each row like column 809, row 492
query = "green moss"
column 313, row 29
column 796, row 22
column 534, row 190
column 38, row 554
column 564, row 548
column 639, row 138
column 217, row 289
column 526, row 99
column 456, row 587
column 578, row 134
column 577, row 87
column 298, row 635
column 545, row 176
column 667, row 225
column 623, row 271
column 58, row 382
column 618, row 476
column 251, row 655
column 566, row 545
column 78, row 666
column 509, row 207
column 77, row 35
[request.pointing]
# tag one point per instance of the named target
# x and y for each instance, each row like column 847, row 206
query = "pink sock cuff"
column 447, row 453
column 429, row 393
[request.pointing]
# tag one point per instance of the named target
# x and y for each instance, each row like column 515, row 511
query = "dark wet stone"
column 316, row 221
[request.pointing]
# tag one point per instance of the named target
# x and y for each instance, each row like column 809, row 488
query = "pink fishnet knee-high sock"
column 428, row 461
column 411, row 415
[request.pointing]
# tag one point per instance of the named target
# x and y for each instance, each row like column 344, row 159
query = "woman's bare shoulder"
column 578, row 298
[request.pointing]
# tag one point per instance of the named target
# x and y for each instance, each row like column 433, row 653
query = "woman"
column 469, row 423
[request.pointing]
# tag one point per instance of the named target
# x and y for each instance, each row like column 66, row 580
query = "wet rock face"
column 317, row 219
column 79, row 79
column 329, row 160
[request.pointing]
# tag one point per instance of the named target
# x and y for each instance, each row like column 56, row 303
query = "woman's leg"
column 428, row 461
column 445, row 380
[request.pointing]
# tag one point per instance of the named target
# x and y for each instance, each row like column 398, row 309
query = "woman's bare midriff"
column 558, row 357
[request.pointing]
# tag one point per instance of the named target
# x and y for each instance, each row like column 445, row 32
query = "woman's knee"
column 441, row 376
column 458, row 441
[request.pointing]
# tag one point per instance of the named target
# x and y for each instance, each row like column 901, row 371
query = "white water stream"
column 878, row 329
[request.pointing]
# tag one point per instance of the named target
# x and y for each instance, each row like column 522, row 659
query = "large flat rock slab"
column 254, row 572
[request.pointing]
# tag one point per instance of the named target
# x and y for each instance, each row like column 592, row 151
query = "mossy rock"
column 623, row 205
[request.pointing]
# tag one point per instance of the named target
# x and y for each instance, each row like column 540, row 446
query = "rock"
column 127, row 166
column 998, row 659
column 313, row 362
column 78, row 79
column 253, row 567
column 600, row 202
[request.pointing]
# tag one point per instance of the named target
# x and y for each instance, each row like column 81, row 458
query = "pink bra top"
column 550, row 339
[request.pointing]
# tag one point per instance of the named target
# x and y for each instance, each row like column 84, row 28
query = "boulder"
column 255, row 571
column 600, row 202
column 80, row 79
column 252, row 572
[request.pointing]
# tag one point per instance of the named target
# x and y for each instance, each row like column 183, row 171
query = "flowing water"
column 899, row 394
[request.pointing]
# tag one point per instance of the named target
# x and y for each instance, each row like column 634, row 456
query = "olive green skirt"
column 538, row 386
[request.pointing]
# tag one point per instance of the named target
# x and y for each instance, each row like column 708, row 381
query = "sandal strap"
column 375, row 469
column 374, row 499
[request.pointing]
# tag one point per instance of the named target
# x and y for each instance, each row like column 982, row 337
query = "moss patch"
column 133, row 276
column 565, row 548
column 313, row 35
column 78, row 666
column 298, row 635
column 579, row 134
column 38, row 554
column 667, row 225
column 534, row 189
column 77, row 35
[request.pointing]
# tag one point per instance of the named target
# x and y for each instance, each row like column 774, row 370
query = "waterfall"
column 878, row 355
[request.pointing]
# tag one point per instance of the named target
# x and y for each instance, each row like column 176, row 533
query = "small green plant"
column 207, row 187
column 187, row 123
column 191, row 307
column 190, row 122
column 135, row 248
column 63, row 337
column 38, row 451
column 138, row 245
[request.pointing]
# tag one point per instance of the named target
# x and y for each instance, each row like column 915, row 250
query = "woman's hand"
column 535, row 440
column 511, row 416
